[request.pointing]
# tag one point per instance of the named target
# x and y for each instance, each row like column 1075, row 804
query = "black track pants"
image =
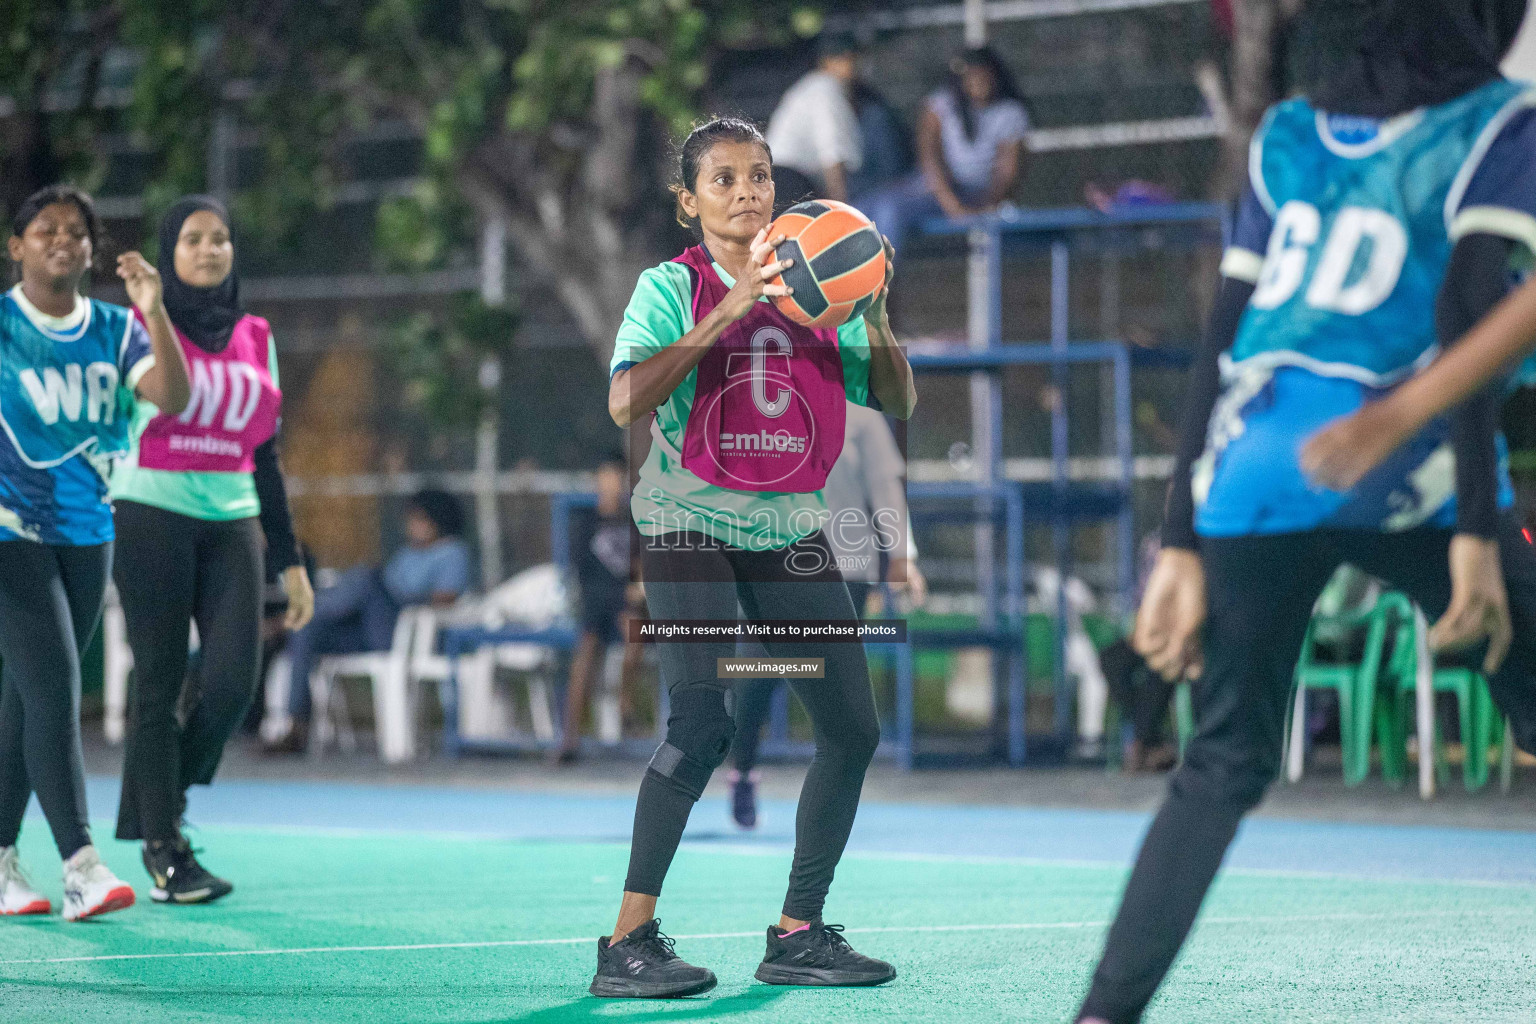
column 1259, row 596
column 50, row 602
column 171, row 570
column 754, row 698
column 688, row 576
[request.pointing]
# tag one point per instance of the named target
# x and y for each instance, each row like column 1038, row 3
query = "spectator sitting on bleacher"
column 970, row 149
column 814, row 131
column 357, row 611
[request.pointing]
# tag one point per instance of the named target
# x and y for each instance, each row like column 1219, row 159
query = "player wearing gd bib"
column 1381, row 221
column 71, row 370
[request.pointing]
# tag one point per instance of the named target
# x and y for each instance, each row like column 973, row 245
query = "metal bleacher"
column 1062, row 502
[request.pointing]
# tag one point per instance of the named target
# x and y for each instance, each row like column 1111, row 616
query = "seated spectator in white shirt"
column 970, row 148
column 814, row 131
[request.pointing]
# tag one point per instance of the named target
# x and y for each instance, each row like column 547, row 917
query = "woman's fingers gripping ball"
column 762, row 248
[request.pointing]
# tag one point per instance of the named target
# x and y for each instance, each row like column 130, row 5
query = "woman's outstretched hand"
column 301, row 597
column 1479, row 604
column 1171, row 614
column 753, row 283
column 142, row 281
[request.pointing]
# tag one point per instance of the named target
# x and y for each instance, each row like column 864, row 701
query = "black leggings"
column 50, row 601
column 171, row 570
column 688, row 576
column 1257, row 616
column 754, row 698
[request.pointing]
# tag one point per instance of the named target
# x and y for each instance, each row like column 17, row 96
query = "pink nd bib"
column 233, row 409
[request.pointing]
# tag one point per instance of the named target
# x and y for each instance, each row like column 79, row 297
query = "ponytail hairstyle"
column 47, row 196
column 701, row 140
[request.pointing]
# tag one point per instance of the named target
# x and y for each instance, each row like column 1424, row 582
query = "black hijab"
column 1381, row 58
column 206, row 315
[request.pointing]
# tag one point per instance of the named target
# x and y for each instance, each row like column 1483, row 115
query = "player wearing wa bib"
column 1382, row 221
column 200, row 507
column 71, row 372
column 66, row 403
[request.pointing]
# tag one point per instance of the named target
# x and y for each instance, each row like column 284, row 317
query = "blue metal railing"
column 1059, row 231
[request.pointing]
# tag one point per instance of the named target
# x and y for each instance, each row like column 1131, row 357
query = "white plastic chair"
column 395, row 677
column 534, row 598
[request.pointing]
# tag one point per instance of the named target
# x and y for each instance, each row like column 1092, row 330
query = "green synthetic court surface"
column 330, row 927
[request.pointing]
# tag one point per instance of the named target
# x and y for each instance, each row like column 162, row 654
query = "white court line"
column 773, row 850
column 1003, row 860
column 505, row 943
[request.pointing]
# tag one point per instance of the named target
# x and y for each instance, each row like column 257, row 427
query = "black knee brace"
column 699, row 734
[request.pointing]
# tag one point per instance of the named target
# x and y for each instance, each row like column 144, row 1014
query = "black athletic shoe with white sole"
column 818, row 955
column 179, row 878
column 643, row 966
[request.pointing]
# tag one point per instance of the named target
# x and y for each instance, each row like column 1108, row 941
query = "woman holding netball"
column 727, row 519
column 71, row 371
column 200, row 504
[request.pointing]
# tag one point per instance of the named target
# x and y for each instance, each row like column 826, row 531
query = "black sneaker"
column 179, row 878
column 744, row 800
column 818, row 955
column 642, row 965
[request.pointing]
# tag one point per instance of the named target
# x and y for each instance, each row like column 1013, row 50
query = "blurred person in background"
column 814, row 132
column 886, row 142
column 971, row 142
column 357, row 611
column 200, row 506
column 867, row 480
column 1080, row 657
column 600, row 545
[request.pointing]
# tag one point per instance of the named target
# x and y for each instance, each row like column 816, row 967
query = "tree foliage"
column 555, row 116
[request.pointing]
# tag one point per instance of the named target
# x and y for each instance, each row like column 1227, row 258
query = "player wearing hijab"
column 1381, row 219
column 71, row 371
column 199, row 503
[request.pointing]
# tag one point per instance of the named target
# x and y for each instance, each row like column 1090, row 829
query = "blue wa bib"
column 65, row 410
column 1343, row 308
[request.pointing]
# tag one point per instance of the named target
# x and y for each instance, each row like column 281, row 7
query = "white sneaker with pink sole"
column 16, row 893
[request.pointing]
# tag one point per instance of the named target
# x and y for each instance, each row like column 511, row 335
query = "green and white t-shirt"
column 670, row 497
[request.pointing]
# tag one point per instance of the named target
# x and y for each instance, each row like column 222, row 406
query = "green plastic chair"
column 1355, row 683
column 1480, row 721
